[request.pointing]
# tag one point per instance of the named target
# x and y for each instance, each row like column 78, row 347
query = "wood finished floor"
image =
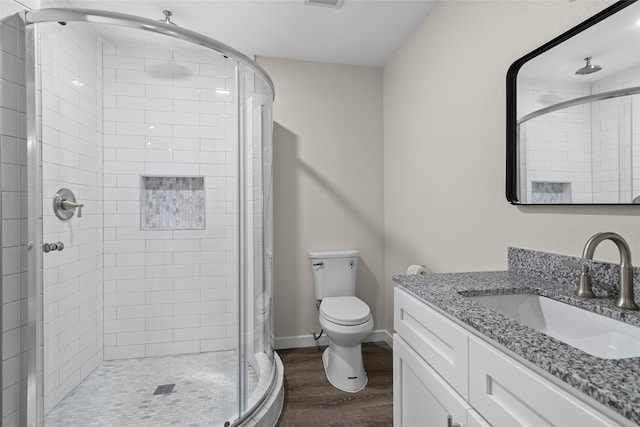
column 310, row 400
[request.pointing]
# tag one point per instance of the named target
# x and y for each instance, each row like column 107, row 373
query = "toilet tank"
column 334, row 273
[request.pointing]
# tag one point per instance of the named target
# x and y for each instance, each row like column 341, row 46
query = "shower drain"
column 164, row 389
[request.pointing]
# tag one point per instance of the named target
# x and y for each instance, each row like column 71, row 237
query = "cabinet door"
column 442, row 343
column 421, row 398
column 507, row 393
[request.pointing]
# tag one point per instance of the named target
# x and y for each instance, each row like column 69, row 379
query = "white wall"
column 327, row 182
column 444, row 152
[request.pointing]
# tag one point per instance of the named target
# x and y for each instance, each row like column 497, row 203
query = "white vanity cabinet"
column 442, row 369
column 430, row 368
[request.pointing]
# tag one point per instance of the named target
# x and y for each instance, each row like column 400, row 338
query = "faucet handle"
column 584, row 287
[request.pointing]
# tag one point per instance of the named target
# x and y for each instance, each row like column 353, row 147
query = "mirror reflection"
column 576, row 136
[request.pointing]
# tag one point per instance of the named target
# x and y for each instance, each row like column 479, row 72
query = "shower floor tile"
column 121, row 393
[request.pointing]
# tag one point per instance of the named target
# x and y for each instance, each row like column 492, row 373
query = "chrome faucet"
column 625, row 295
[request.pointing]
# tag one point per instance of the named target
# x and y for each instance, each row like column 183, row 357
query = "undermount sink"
column 592, row 333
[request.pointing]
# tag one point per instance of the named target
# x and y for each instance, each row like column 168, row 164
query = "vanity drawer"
column 507, row 393
column 435, row 338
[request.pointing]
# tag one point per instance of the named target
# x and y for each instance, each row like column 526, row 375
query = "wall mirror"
column 573, row 115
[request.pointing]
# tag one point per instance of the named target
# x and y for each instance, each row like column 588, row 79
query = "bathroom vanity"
column 457, row 362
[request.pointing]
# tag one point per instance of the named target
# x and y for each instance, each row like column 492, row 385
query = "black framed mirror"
column 573, row 115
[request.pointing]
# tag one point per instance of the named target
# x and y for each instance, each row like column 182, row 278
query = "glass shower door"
column 137, row 290
column 256, row 338
column 150, row 222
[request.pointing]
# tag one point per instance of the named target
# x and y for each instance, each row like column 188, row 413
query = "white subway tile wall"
column 169, row 291
column 12, row 159
column 71, row 72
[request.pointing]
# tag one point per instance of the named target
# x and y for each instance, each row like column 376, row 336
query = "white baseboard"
column 380, row 335
column 308, row 340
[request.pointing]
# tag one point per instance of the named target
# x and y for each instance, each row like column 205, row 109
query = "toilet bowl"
column 347, row 321
column 344, row 318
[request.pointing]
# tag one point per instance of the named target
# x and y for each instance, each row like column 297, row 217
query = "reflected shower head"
column 167, row 17
column 588, row 68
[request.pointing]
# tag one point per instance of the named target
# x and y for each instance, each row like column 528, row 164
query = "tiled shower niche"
column 172, row 203
column 551, row 192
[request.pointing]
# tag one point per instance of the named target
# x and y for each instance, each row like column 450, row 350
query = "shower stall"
column 149, row 220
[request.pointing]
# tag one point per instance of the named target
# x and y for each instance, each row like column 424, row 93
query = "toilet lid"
column 345, row 310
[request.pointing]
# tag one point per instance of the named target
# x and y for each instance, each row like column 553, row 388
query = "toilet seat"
column 347, row 311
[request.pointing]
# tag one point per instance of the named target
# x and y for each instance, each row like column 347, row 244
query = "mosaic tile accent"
column 121, row 393
column 611, row 382
column 550, row 192
column 172, row 203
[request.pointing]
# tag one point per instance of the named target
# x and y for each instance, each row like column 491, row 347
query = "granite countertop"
column 614, row 383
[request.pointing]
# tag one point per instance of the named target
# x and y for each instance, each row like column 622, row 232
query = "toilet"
column 345, row 319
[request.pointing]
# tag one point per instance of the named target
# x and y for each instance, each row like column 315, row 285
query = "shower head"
column 588, row 68
column 167, row 17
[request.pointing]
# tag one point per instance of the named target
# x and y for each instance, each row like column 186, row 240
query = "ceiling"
column 360, row 32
